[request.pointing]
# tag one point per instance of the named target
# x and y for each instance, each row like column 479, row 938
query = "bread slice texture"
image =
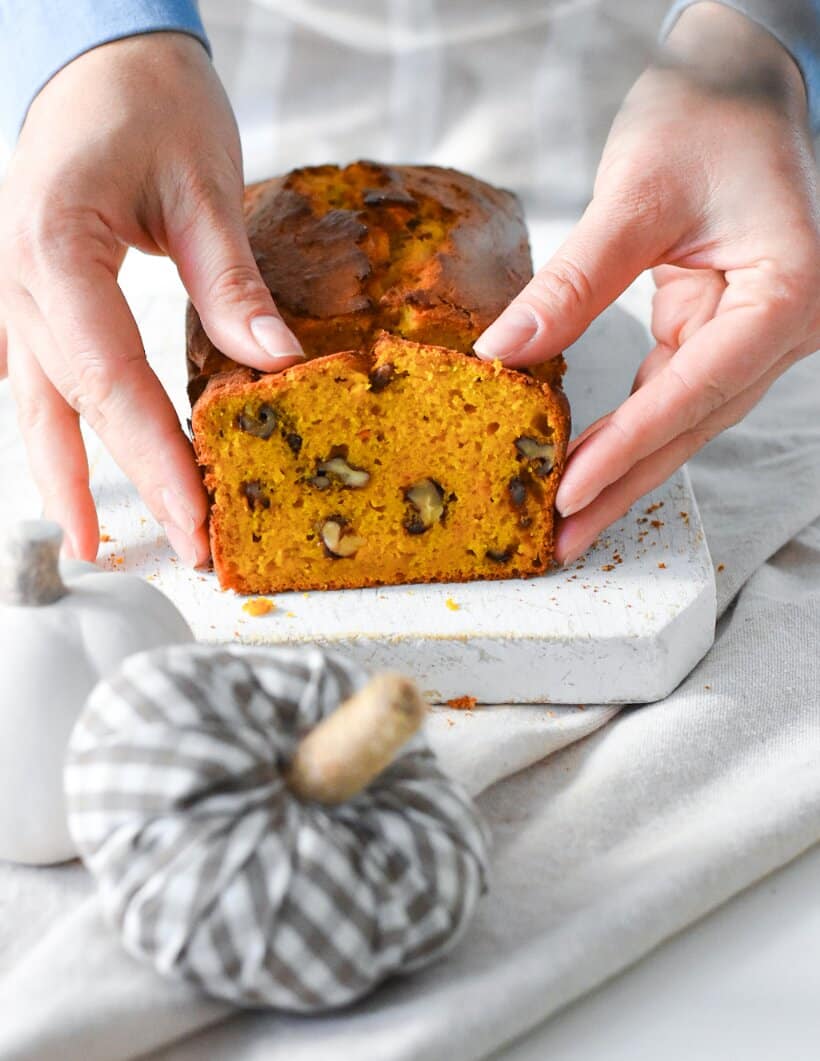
column 401, row 463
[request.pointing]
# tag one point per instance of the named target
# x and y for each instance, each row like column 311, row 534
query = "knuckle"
column 32, row 415
column 704, row 396
column 789, row 287
column 564, row 288
column 210, row 186
column 624, row 442
column 48, row 237
column 787, row 291
column 92, row 387
column 202, row 196
column 798, row 292
column 234, row 284
column 624, row 431
column 76, row 236
column 702, row 435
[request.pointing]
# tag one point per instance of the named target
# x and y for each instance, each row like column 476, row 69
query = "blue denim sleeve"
column 39, row 37
column 795, row 23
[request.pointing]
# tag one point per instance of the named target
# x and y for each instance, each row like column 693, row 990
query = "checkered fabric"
column 212, row 870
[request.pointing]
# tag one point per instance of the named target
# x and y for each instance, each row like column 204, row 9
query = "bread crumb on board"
column 452, row 605
column 462, row 703
column 258, row 606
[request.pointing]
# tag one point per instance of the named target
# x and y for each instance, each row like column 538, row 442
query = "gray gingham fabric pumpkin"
column 213, row 870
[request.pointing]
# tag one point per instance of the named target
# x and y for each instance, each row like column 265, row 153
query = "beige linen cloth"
column 607, row 838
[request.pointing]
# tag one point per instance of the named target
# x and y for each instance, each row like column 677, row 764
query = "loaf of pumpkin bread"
column 392, row 454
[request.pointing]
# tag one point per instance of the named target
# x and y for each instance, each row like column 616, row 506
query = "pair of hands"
column 707, row 177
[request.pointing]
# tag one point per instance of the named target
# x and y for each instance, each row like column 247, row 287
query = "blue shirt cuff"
column 40, row 37
column 795, row 23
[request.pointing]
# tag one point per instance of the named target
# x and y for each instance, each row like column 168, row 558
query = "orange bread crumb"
column 258, row 606
column 463, row 703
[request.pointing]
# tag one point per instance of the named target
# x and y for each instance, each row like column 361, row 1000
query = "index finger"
column 100, row 368
column 614, row 241
column 722, row 359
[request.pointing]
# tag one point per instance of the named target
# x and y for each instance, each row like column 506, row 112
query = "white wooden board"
column 615, row 628
column 625, row 624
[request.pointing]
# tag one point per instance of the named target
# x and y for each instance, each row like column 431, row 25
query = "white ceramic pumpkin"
column 63, row 626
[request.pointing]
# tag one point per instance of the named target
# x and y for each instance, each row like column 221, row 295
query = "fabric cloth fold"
column 600, row 851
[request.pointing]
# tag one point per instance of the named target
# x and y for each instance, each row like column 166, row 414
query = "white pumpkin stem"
column 351, row 747
column 30, row 563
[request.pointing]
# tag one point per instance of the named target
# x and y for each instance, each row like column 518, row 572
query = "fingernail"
column 275, row 338
column 569, row 506
column 202, row 547
column 572, row 556
column 181, row 544
column 572, row 553
column 516, row 327
column 569, row 500
column 178, row 511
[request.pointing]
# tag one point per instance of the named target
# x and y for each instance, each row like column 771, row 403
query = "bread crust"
column 366, row 263
column 326, row 267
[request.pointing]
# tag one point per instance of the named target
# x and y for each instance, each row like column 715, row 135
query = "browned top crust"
column 427, row 253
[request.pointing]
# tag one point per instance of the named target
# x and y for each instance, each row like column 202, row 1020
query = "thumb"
column 608, row 248
column 210, row 247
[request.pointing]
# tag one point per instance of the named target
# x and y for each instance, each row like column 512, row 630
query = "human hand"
column 708, row 176
column 132, row 144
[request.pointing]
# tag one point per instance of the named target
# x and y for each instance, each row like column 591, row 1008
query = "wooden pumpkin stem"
column 30, row 564
column 351, row 747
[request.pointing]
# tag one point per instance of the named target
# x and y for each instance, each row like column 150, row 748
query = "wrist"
column 35, row 45
column 725, row 52
column 142, row 64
